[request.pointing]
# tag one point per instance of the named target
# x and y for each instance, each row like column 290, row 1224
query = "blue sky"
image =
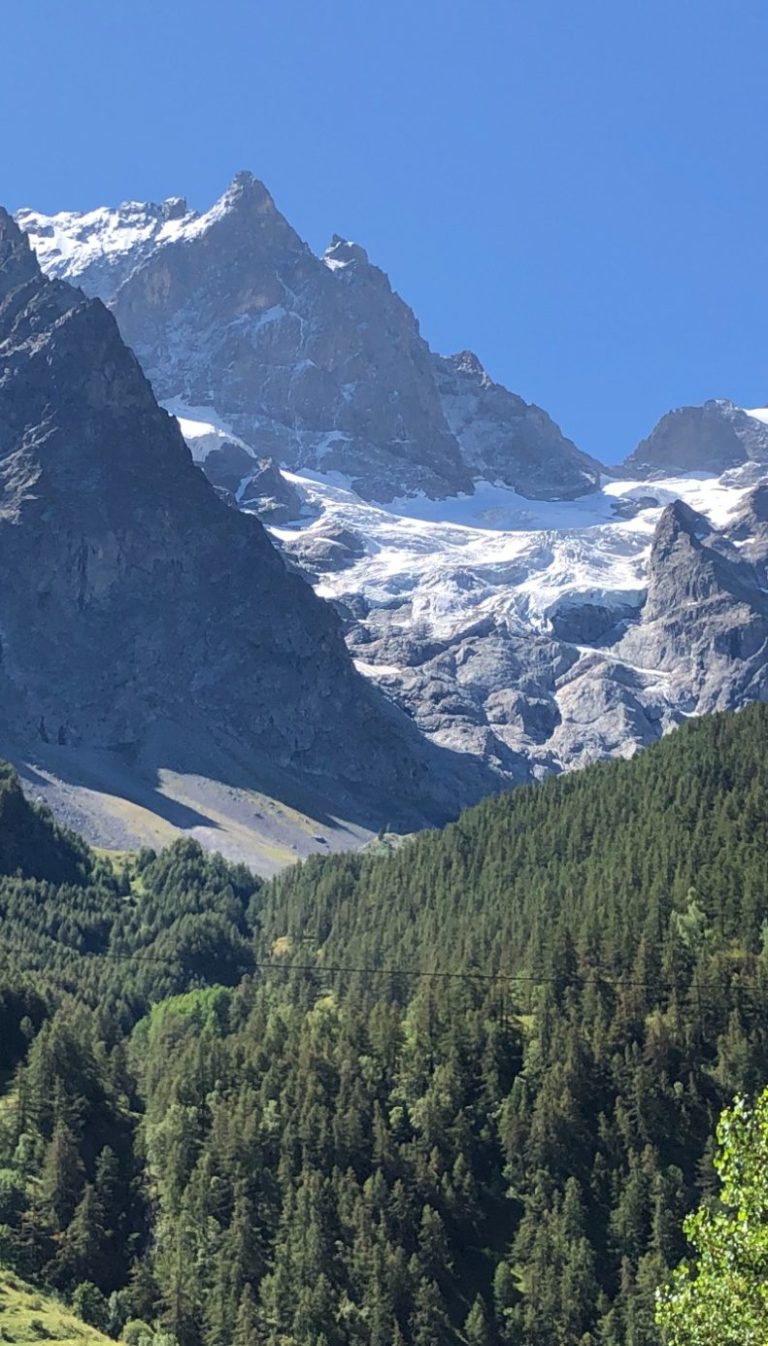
column 576, row 191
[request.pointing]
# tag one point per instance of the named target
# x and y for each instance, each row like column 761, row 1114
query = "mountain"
column 711, row 438
column 313, row 361
column 460, row 1093
column 505, row 440
column 527, row 609
column 561, row 632
column 146, row 628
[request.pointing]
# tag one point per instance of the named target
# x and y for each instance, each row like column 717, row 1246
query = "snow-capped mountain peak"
column 312, row 361
column 98, row 249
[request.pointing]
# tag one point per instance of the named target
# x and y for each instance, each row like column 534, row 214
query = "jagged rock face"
column 684, row 572
column 712, row 438
column 489, row 688
column 267, row 493
column 135, row 606
column 315, row 362
column 505, row 439
column 705, row 620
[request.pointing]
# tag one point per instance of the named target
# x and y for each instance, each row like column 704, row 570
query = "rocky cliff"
column 139, row 615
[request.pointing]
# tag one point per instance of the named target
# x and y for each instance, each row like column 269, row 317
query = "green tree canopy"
column 721, row 1298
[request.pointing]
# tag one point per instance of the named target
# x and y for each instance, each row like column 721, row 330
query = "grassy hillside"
column 27, row 1317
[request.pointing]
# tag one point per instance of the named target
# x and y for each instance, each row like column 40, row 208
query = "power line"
column 323, row 969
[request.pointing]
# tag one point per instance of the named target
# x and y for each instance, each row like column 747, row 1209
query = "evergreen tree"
column 61, row 1178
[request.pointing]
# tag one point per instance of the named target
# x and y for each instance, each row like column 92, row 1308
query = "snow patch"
column 203, row 429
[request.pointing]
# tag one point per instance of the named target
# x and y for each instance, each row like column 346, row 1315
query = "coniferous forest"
column 463, row 1091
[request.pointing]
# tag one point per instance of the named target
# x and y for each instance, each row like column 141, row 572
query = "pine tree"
column 477, row 1329
column 61, row 1178
column 429, row 1320
column 83, row 1253
column 247, row 1327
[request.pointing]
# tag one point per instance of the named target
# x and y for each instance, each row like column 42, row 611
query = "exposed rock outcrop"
column 505, row 439
column 138, row 614
column 711, row 438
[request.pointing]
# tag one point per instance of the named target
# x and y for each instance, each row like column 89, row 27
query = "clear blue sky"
column 578, row 191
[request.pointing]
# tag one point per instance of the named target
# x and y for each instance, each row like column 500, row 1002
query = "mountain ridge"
column 362, row 396
column 146, row 620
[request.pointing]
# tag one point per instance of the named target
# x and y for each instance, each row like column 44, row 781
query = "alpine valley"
column 279, row 579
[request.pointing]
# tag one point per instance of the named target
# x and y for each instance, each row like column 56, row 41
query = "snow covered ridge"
column 495, row 552
column 97, row 249
column 517, row 630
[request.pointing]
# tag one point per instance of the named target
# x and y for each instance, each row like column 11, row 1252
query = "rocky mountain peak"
column 175, row 208
column 18, row 263
column 313, row 361
column 341, row 252
column 715, row 437
column 691, row 565
column 466, row 362
column 505, row 439
column 243, row 228
column 676, row 519
column 247, row 191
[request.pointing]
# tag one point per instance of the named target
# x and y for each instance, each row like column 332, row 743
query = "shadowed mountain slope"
column 143, row 624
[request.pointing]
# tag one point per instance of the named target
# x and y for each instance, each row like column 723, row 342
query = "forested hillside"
column 462, row 1092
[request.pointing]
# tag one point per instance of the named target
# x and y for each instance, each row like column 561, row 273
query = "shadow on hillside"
column 234, row 800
